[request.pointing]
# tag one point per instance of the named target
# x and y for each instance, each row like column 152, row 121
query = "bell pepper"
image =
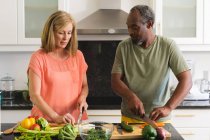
column 149, row 133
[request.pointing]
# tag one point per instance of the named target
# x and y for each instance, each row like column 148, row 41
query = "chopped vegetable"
column 126, row 127
column 97, row 134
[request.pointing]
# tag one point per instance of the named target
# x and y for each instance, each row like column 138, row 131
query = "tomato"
column 35, row 127
column 26, row 123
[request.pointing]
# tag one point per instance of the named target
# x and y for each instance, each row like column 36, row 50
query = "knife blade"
column 119, row 129
column 149, row 121
column 80, row 116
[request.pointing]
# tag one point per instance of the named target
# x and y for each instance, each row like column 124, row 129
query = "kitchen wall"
column 15, row 64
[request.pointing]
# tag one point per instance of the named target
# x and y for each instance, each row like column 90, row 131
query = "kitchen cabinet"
column 180, row 20
column 206, row 22
column 32, row 16
column 192, row 123
column 8, row 20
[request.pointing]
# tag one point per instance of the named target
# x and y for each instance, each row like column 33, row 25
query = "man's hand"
column 135, row 105
column 159, row 112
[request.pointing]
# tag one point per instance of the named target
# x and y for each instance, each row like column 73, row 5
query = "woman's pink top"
column 61, row 82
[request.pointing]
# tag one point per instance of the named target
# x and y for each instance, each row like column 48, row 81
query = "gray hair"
column 146, row 13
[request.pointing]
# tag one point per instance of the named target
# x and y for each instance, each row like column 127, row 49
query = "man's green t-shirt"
column 146, row 71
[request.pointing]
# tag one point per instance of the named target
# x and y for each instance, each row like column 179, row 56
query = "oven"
column 99, row 55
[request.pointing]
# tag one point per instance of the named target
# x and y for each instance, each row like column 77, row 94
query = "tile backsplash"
column 16, row 63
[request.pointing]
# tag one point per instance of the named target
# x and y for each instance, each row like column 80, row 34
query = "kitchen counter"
column 23, row 105
column 174, row 134
column 19, row 103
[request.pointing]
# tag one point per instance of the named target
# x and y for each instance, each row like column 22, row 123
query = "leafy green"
column 97, row 134
column 27, row 134
column 43, row 123
column 68, row 132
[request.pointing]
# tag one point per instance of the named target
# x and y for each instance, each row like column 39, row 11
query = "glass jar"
column 7, row 87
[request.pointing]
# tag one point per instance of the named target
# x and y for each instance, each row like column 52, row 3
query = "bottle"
column 204, row 87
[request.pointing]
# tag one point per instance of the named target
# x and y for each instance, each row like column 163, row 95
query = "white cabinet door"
column 191, row 118
column 8, row 20
column 192, row 124
column 206, row 22
column 180, row 20
column 32, row 15
column 195, row 133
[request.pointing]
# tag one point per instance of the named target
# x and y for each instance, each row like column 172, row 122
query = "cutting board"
column 137, row 133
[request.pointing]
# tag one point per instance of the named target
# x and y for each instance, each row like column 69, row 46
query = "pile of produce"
column 150, row 133
column 33, row 128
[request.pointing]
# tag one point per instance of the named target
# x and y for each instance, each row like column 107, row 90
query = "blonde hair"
column 56, row 22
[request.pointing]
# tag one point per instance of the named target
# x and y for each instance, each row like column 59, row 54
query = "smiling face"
column 136, row 28
column 63, row 36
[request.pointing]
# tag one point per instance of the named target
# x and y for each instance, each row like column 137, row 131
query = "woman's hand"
column 82, row 104
column 67, row 118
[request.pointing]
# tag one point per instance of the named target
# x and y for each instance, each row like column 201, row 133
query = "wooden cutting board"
column 137, row 133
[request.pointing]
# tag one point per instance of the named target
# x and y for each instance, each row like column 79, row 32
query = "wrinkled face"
column 137, row 30
column 63, row 36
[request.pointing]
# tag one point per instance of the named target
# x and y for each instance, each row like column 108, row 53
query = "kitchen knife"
column 149, row 121
column 119, row 129
column 80, row 116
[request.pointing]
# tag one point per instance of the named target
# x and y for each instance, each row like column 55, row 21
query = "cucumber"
column 126, row 127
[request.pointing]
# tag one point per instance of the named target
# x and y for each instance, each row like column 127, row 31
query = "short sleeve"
column 118, row 61
column 83, row 63
column 35, row 64
column 177, row 61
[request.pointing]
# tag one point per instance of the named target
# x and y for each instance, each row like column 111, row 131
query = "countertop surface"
column 174, row 134
column 23, row 105
column 19, row 103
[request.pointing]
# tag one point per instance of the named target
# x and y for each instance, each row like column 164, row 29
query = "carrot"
column 160, row 124
column 142, row 125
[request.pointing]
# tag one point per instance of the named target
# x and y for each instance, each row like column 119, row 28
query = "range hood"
column 104, row 22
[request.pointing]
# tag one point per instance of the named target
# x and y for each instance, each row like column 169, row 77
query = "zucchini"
column 126, row 127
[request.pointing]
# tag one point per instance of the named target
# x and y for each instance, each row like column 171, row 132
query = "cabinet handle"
column 187, row 133
column 187, row 115
column 105, row 115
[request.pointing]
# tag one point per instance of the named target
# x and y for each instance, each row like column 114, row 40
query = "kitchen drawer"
column 191, row 118
column 112, row 116
column 194, row 133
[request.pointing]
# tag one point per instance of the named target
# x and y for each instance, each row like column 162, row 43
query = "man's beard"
column 137, row 41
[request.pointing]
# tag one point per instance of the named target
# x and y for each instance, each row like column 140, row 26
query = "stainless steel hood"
column 104, row 22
